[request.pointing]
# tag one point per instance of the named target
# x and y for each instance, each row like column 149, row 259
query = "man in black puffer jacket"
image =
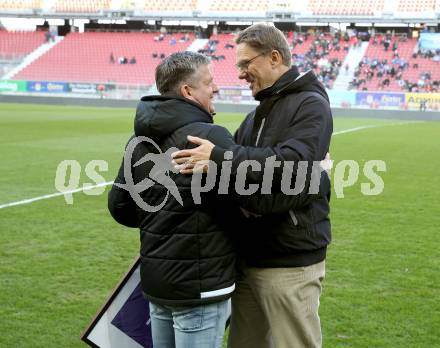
column 187, row 258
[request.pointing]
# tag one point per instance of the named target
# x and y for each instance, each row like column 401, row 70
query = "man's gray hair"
column 264, row 38
column 177, row 69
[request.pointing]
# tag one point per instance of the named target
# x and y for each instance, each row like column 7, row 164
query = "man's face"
column 255, row 67
column 204, row 88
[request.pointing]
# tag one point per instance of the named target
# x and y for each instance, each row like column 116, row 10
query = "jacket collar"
column 285, row 80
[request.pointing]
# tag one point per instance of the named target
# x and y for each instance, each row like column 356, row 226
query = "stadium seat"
column 416, row 5
column 15, row 45
column 405, row 51
column 345, row 7
column 85, row 57
column 84, row 6
column 300, row 51
column 169, row 5
column 225, row 72
column 238, row 6
column 20, row 4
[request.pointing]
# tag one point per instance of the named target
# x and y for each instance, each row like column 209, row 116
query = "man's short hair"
column 265, row 38
column 177, row 69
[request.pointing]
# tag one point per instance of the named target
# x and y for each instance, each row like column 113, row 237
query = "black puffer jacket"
column 293, row 123
column 187, row 257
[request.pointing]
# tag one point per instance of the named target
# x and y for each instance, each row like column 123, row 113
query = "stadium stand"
column 390, row 63
column 170, row 5
column 238, row 6
column 345, row 7
column 105, row 57
column 322, row 52
column 15, row 45
column 221, row 49
column 417, row 5
column 20, row 4
column 84, row 6
column 397, row 66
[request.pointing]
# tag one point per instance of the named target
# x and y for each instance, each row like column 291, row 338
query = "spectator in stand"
column 101, row 88
column 355, row 41
column 184, row 38
column 393, row 72
column 133, row 60
column 386, row 82
column 112, row 58
column 159, row 38
column 47, row 36
column 403, row 38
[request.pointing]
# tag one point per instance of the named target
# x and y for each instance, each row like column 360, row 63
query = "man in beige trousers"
column 282, row 253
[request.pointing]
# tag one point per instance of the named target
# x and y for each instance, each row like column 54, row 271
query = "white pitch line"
column 57, row 194
column 352, row 129
column 349, row 130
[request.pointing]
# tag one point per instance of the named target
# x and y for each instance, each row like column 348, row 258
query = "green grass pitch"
column 59, row 262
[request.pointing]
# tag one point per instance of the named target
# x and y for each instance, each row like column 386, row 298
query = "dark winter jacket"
column 293, row 123
column 187, row 257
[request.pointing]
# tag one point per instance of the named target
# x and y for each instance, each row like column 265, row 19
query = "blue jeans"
column 189, row 327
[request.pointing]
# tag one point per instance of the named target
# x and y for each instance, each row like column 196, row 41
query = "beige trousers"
column 277, row 307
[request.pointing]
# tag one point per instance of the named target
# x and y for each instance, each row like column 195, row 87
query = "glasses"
column 244, row 65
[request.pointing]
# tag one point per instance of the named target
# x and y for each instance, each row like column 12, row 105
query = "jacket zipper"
column 260, row 130
column 293, row 217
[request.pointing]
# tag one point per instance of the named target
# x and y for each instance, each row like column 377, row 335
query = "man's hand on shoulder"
column 195, row 160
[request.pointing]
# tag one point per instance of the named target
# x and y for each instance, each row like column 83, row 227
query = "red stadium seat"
column 15, row 45
column 20, row 4
column 405, row 51
column 85, row 57
column 345, row 7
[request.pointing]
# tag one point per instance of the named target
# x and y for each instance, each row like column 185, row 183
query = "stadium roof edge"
column 272, row 16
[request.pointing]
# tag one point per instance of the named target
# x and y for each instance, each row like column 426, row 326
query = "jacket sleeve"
column 120, row 204
column 302, row 140
column 276, row 202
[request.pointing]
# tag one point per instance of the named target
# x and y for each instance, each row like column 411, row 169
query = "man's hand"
column 327, row 164
column 193, row 160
